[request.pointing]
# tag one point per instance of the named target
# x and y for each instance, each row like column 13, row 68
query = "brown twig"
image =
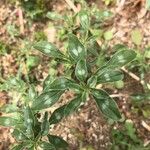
column 72, row 6
column 21, row 21
column 145, row 125
column 117, row 95
column 135, row 77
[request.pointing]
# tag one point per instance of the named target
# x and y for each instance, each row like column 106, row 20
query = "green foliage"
column 28, row 129
column 126, row 139
column 84, row 69
column 136, row 37
column 148, row 4
column 83, row 78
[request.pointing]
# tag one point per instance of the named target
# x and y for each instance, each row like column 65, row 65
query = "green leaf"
column 48, row 80
column 58, row 142
column 65, row 110
column 121, row 58
column 84, row 19
column 54, row 16
column 119, row 84
column 58, row 84
column 8, row 122
column 63, row 83
column 75, row 48
column 45, row 125
column 32, row 92
column 92, row 81
column 57, row 115
column 147, row 4
column 108, row 35
column 47, row 99
column 9, row 108
column 32, row 61
column 19, row 135
column 18, row 147
column 73, row 105
column 29, row 121
column 106, row 104
column 46, row 146
column 81, row 70
column 109, row 76
column 48, row 49
column 136, row 36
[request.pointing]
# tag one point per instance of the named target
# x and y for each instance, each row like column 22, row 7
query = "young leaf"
column 46, row 146
column 136, row 37
column 121, row 58
column 108, row 35
column 106, row 104
column 45, row 125
column 65, row 110
column 84, row 19
column 8, row 122
column 81, row 70
column 32, row 92
column 110, row 76
column 46, row 99
column 92, row 81
column 57, row 141
column 75, row 48
column 48, row 49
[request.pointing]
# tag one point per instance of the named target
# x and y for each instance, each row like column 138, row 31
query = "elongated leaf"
column 29, row 121
column 110, row 76
column 92, row 81
column 46, row 99
column 84, row 19
column 48, row 49
column 45, row 125
column 121, row 58
column 46, row 146
column 58, row 142
column 75, row 48
column 32, row 92
column 81, row 70
column 8, row 122
column 106, row 104
column 65, row 110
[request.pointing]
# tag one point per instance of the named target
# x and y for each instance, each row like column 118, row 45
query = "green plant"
column 82, row 75
column 126, row 138
column 28, row 128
